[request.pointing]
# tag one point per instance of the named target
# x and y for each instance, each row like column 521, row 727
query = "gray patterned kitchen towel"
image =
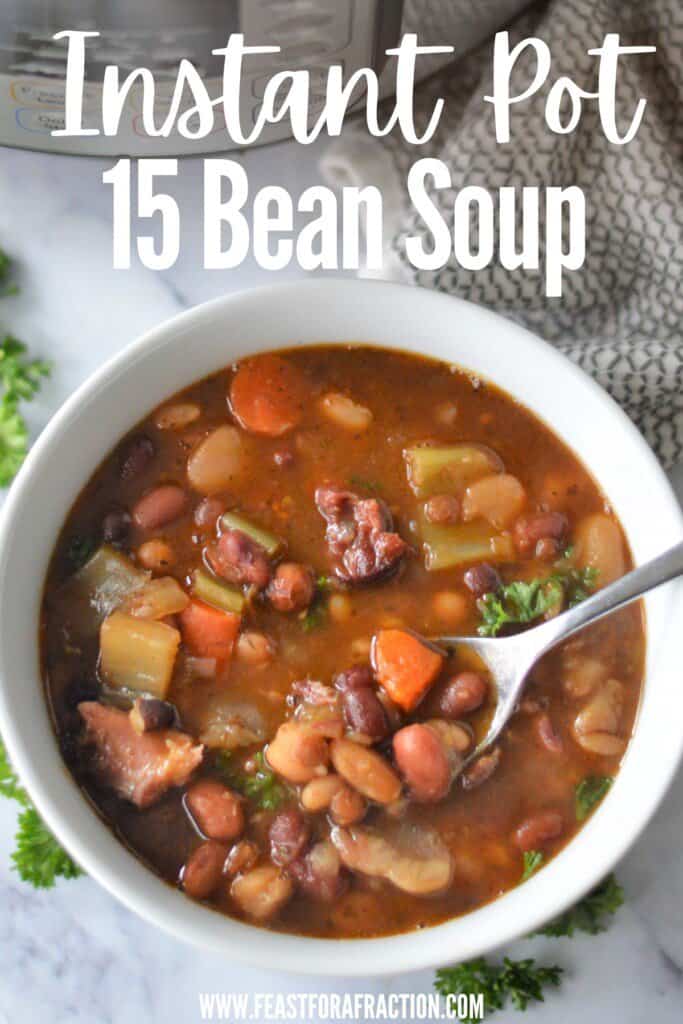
column 621, row 316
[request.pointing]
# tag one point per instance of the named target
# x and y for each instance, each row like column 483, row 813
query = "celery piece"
column 137, row 654
column 448, row 469
column 233, row 521
column 97, row 589
column 214, row 592
column 449, row 546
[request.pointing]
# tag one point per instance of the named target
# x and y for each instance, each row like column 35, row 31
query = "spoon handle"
column 633, row 585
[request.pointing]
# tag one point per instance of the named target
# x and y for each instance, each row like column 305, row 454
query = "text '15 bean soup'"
column 236, row 646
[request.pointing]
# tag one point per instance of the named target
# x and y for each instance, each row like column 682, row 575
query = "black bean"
column 136, row 457
column 116, row 526
column 482, row 579
column 363, row 713
column 359, row 677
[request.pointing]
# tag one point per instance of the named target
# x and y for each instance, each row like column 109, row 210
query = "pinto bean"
column 156, row 555
column 255, row 649
column 358, row 677
column 451, row 606
column 482, row 579
column 208, row 512
column 423, row 763
column 116, row 526
column 538, row 829
column 136, row 457
column 215, row 809
column 546, row 733
column 442, row 510
column 347, row 806
column 462, row 694
column 481, row 769
column 203, row 869
column 261, row 892
column 297, row 753
column 366, row 771
column 364, row 714
column 291, row 588
column 528, row 532
column 317, row 794
column 288, row 836
column 239, row 559
column 159, row 507
column 242, row 856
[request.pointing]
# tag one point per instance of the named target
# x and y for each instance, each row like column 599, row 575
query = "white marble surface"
column 75, row 955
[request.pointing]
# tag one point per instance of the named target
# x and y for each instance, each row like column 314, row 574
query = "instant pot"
column 157, row 34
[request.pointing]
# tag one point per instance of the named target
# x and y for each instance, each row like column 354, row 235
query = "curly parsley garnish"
column 518, row 982
column 20, row 379
column 589, row 792
column 590, row 914
column 533, row 859
column 38, row 858
column 261, row 787
column 520, row 603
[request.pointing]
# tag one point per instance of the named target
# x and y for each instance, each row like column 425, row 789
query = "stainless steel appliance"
column 157, row 33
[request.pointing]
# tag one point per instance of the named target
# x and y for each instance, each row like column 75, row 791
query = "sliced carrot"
column 267, row 395
column 405, row 666
column 208, row 632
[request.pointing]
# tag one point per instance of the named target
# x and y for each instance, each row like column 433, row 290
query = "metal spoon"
column 511, row 659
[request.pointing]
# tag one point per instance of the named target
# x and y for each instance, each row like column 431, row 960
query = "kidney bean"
column 347, row 806
column 291, row 588
column 159, row 507
column 442, row 509
column 481, row 770
column 116, row 526
column 462, row 694
column 208, row 511
column 366, row 771
column 363, row 713
column 288, row 835
column 538, row 829
column 203, row 869
column 136, row 457
column 156, row 555
column 262, row 892
column 242, row 856
column 529, row 531
column 216, row 810
column 423, row 763
column 547, row 735
column 358, row 677
column 482, row 579
column 239, row 559
column 297, row 753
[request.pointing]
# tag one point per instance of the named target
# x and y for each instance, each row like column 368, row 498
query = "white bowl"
column 207, row 338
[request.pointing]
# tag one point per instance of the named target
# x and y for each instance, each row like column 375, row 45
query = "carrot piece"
column 267, row 395
column 208, row 632
column 405, row 666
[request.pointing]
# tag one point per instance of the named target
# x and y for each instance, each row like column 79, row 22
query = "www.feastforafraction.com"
column 333, row 1007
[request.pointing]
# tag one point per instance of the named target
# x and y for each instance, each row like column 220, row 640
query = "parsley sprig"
column 590, row 915
column 20, row 379
column 518, row 981
column 521, row 602
column 261, row 787
column 38, row 858
column 589, row 792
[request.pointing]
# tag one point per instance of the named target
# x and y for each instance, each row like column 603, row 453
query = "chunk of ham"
column 138, row 767
column 360, row 535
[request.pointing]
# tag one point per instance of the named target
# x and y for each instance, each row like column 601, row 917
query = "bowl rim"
column 134, row 884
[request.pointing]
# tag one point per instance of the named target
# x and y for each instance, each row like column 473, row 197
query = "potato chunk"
column 138, row 654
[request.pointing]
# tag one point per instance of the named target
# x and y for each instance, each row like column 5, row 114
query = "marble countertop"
column 73, row 955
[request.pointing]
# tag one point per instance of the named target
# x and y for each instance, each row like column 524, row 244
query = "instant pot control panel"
column 312, row 34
